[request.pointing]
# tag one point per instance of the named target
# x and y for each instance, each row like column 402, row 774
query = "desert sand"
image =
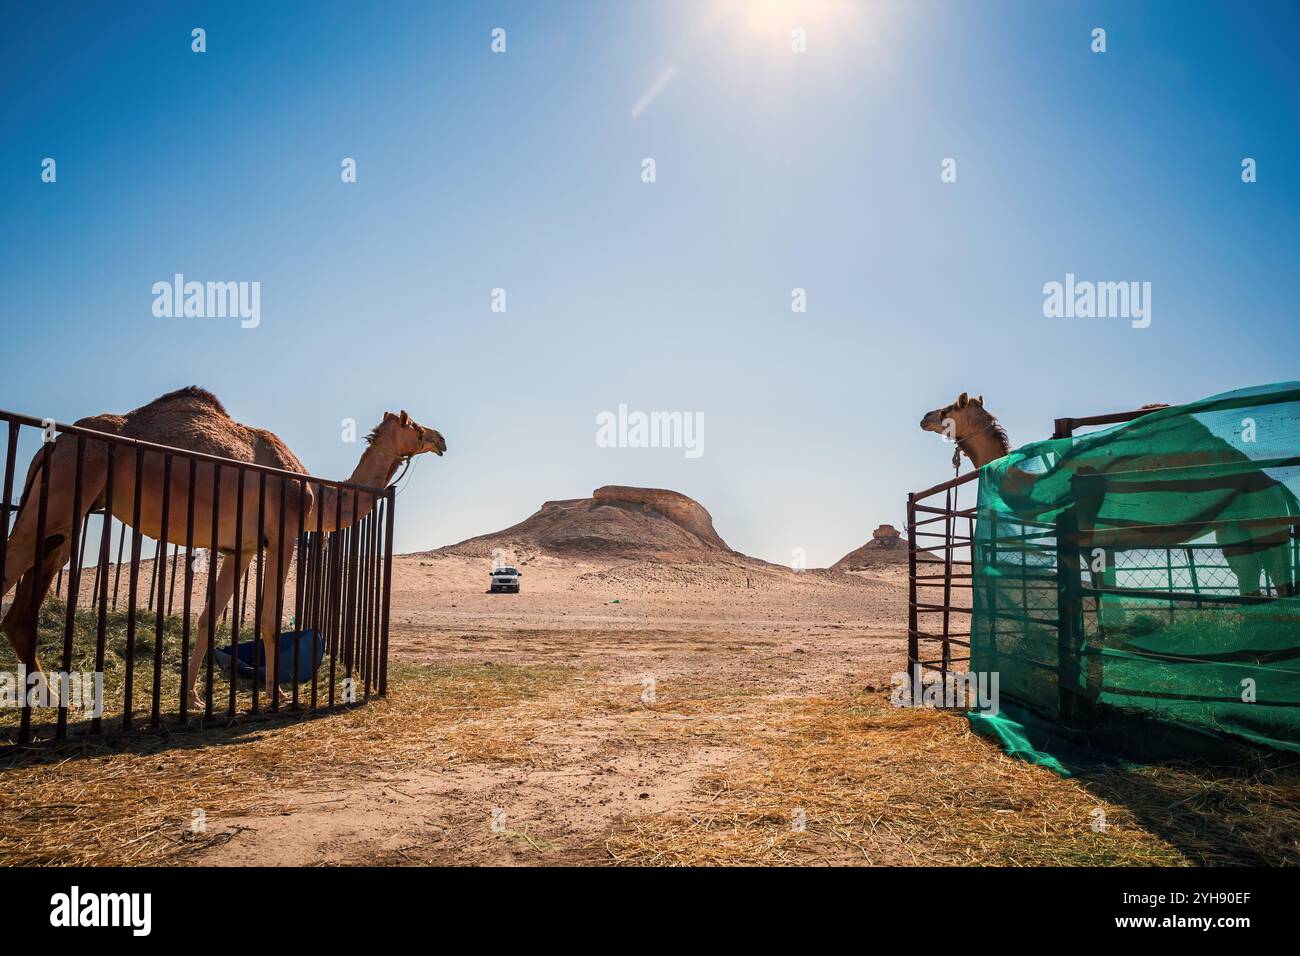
column 733, row 630
column 661, row 627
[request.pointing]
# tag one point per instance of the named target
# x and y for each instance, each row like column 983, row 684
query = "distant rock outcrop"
column 615, row 522
column 887, row 546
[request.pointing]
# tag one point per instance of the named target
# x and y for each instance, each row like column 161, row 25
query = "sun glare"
column 774, row 18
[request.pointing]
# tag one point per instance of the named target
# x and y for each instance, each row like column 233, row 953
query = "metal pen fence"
column 941, row 533
column 259, row 544
column 940, row 575
column 1047, row 586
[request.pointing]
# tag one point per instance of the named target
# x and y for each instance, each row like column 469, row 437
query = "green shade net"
column 1143, row 578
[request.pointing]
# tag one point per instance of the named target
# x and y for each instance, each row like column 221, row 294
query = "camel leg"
column 20, row 623
column 232, row 569
column 1240, row 554
column 1276, row 559
column 270, row 623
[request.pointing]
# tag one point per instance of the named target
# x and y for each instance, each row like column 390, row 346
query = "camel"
column 192, row 419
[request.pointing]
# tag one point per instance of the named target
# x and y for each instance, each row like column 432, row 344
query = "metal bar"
column 374, row 591
column 213, row 558
column 350, row 596
column 278, row 581
column 945, row 485
column 184, row 708
column 388, row 590
column 1065, row 426
column 29, row 664
column 298, row 588
column 133, row 579
column 372, row 601
column 235, row 617
column 912, row 651
column 333, row 578
column 1242, row 599
column 259, row 595
column 11, row 452
column 318, row 615
column 942, row 513
column 363, row 549
column 74, row 588
column 105, row 549
column 160, row 621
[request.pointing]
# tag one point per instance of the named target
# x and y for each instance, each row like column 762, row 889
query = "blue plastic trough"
column 307, row 663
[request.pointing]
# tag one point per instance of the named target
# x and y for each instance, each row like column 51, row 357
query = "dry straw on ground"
column 877, row 784
column 131, row 801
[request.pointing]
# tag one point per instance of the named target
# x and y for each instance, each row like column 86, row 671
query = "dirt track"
column 721, row 644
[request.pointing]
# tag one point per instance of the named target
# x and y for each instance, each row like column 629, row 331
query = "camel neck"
column 376, row 467
column 983, row 446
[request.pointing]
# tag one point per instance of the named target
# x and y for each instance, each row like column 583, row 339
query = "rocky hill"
column 887, row 546
column 617, row 521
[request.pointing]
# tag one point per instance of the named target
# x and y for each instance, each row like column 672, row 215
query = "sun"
column 773, row 18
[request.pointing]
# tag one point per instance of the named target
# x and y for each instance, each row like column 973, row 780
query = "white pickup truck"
column 505, row 579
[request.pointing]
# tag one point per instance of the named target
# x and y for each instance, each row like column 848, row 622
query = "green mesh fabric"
column 1147, row 573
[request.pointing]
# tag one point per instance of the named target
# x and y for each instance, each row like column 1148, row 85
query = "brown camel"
column 192, row 419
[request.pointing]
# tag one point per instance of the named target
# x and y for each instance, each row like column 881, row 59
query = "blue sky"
column 522, row 170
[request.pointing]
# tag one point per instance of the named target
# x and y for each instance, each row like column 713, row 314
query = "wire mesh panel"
column 147, row 585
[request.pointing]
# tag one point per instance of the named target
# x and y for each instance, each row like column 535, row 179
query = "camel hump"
column 190, row 395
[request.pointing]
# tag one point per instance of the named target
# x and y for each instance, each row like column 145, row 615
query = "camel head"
column 402, row 437
column 976, row 432
column 957, row 420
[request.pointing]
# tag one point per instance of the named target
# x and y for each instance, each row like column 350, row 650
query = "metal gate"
column 103, row 624
column 941, row 533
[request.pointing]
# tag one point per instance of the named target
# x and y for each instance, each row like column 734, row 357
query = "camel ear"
column 406, row 419
column 962, row 399
column 980, row 401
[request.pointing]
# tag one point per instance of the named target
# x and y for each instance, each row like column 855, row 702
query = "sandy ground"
column 629, row 713
column 658, row 658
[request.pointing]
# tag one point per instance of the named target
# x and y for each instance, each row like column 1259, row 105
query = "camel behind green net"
column 1145, row 577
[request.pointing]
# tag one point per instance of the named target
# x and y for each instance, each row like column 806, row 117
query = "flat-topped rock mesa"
column 617, row 521
column 887, row 546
